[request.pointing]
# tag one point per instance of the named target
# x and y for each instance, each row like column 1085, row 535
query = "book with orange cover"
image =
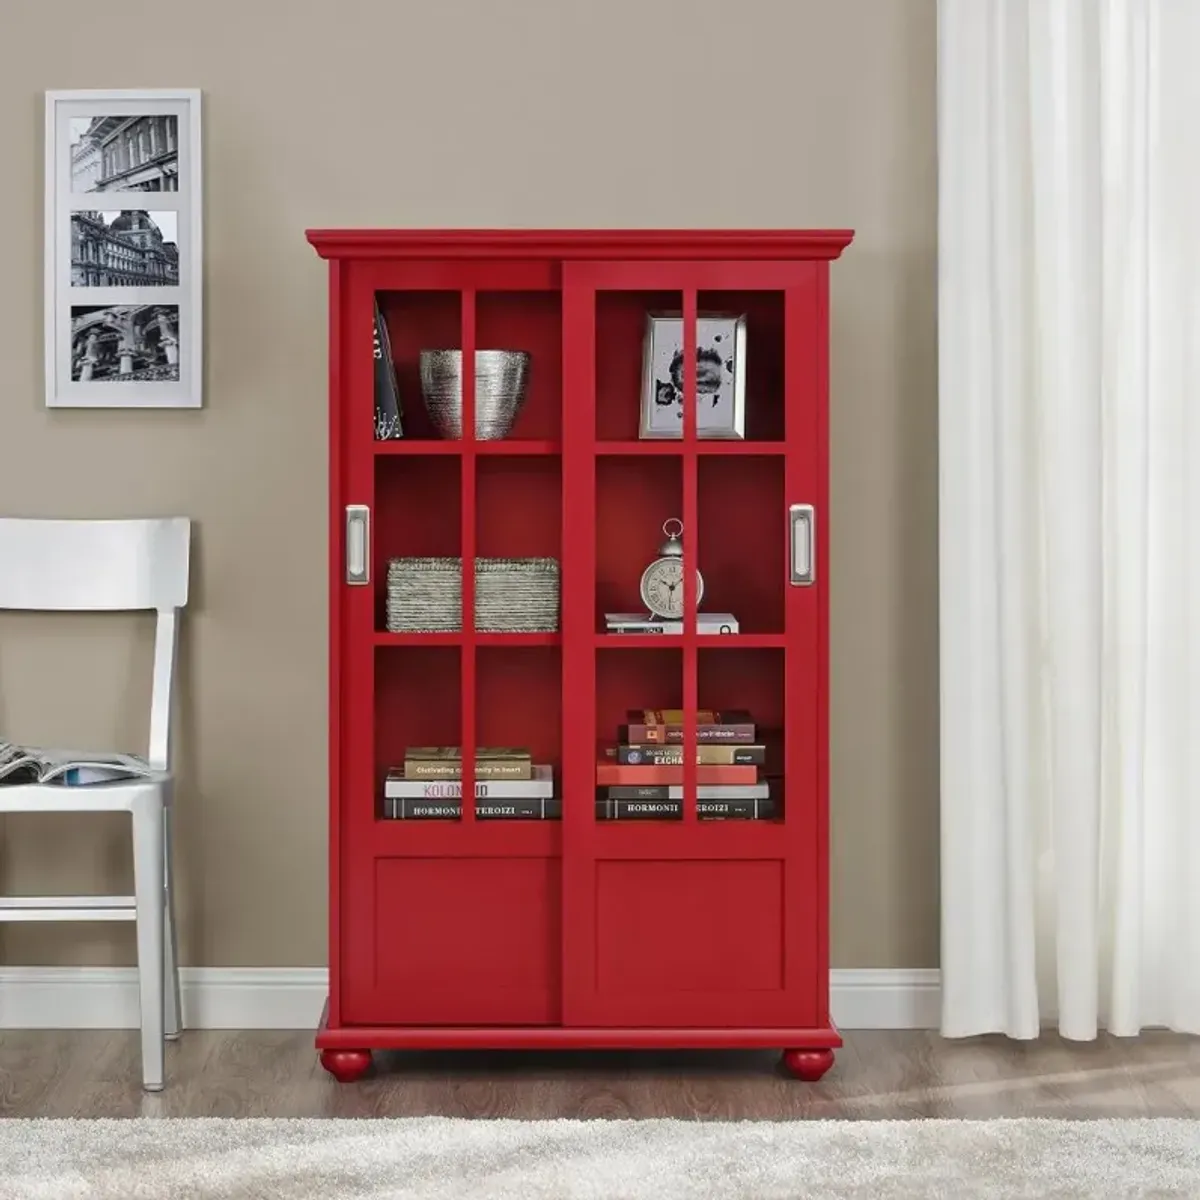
column 609, row 773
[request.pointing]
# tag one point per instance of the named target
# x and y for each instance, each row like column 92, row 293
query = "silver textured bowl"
column 500, row 383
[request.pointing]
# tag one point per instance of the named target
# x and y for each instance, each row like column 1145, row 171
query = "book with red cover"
column 609, row 773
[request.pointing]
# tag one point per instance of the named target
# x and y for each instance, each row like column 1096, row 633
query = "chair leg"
column 149, row 883
column 173, row 1008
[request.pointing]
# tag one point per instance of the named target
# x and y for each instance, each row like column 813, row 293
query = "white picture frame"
column 124, row 249
column 720, row 376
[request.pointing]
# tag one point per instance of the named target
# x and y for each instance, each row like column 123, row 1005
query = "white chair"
column 109, row 566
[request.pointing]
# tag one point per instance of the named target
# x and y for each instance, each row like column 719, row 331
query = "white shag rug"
column 438, row 1158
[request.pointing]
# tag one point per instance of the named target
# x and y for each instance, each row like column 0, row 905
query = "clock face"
column 662, row 588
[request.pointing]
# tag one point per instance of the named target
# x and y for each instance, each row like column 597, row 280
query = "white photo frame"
column 720, row 376
column 123, row 249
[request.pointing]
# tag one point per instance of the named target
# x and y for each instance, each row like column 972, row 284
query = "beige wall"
column 436, row 113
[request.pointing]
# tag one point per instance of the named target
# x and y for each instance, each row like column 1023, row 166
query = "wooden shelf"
column 405, row 447
column 603, row 641
column 480, row 638
column 705, row 641
column 705, row 446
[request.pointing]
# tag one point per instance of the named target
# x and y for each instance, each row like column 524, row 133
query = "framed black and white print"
column 123, row 249
column 720, row 376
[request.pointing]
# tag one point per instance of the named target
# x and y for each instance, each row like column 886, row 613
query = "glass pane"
column 416, row 543
column 635, row 395
column 740, row 362
column 742, row 542
column 518, row 543
column 635, row 689
column 528, row 324
column 639, row 503
column 417, row 710
column 741, row 746
column 408, row 324
column 518, row 725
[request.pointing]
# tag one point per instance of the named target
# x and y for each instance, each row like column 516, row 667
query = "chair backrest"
column 50, row 565
column 94, row 566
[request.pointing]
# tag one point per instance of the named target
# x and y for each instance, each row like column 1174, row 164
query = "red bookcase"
column 579, row 931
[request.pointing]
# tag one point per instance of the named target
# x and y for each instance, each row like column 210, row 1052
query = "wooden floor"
column 878, row 1074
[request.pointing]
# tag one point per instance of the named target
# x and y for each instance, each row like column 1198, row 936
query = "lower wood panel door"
column 712, row 936
column 444, row 940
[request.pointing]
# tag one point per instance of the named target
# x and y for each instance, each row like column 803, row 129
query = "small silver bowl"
column 501, row 377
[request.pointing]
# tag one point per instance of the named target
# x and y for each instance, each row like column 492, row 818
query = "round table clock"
column 662, row 580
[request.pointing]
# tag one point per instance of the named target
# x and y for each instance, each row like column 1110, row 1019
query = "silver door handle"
column 802, row 526
column 358, row 544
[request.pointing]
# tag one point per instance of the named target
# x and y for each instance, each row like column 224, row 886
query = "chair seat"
column 118, row 796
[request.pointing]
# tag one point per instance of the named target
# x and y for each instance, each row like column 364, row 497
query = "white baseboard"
column 885, row 998
column 287, row 998
column 213, row 997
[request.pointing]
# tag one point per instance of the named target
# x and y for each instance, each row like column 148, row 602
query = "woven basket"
column 512, row 595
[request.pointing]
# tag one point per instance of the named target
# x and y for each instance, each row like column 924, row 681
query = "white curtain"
column 1069, row 459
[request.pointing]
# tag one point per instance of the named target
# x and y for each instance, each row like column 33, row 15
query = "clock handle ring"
column 673, row 521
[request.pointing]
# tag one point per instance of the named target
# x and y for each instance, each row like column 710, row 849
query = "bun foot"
column 346, row 1065
column 808, row 1065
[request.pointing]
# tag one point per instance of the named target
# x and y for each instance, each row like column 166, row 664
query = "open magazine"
column 33, row 764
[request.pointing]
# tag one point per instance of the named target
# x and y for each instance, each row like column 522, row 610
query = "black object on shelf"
column 389, row 413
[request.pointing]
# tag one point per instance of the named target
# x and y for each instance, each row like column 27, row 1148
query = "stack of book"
column 641, row 623
column 641, row 777
column 509, row 785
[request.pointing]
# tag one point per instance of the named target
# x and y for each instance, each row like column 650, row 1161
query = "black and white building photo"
column 125, row 342
column 125, row 154
column 123, row 268
column 124, row 249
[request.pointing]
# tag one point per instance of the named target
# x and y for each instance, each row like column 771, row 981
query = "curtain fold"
column 1069, row 512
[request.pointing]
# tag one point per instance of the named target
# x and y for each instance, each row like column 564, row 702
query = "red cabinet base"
column 346, row 1053
column 690, row 930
